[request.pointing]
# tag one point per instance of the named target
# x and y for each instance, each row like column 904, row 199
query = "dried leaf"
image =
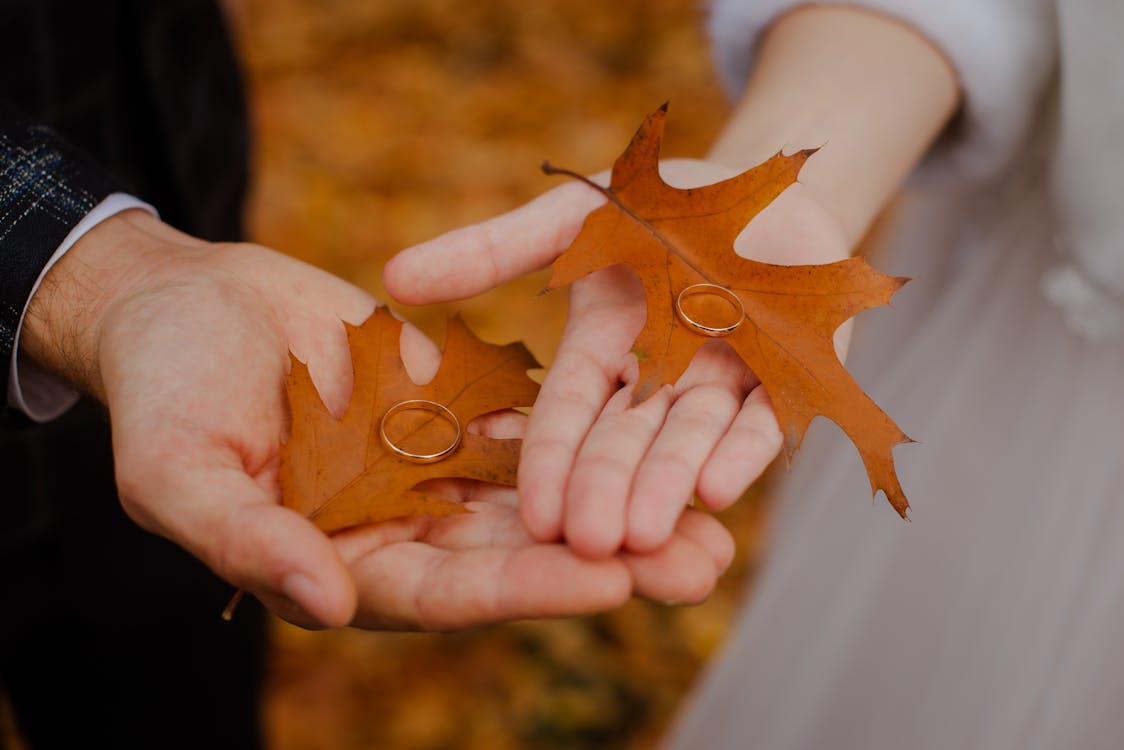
column 340, row 473
column 674, row 238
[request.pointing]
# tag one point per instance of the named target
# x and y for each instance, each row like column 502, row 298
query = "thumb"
column 228, row 521
column 468, row 261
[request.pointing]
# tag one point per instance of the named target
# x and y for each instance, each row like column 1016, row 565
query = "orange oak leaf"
column 341, row 473
column 675, row 238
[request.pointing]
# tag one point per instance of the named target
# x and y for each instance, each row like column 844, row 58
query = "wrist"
column 107, row 265
column 871, row 92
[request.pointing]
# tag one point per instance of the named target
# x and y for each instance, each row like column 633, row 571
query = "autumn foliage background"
column 381, row 124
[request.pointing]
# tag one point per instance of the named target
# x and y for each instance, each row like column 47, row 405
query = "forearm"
column 872, row 92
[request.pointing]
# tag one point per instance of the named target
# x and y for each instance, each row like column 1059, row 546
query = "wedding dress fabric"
column 993, row 620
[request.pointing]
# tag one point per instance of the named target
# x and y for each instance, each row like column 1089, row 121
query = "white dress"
column 995, row 620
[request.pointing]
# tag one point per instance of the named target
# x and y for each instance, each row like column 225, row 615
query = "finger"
column 420, row 355
column 414, row 585
column 597, row 496
column 228, row 521
column 709, row 395
column 324, row 349
column 710, row 535
column 476, row 258
column 500, row 425
column 743, row 453
column 670, row 471
column 574, row 392
column 686, row 568
column 354, row 543
column 489, row 524
column 320, row 340
column 606, row 313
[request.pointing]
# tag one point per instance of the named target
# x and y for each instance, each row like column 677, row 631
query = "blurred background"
column 382, row 124
column 379, row 125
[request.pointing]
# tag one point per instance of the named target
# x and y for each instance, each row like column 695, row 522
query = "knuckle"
column 605, row 467
column 701, row 423
column 568, row 394
column 711, row 400
column 541, row 454
column 668, row 463
column 765, row 438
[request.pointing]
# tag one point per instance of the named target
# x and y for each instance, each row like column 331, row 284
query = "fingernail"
column 301, row 589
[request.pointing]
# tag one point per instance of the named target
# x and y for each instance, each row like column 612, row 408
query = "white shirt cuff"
column 39, row 395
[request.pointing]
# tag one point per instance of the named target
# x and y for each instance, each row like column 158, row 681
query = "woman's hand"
column 594, row 472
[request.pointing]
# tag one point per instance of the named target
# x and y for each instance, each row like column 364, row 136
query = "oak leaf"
column 341, row 473
column 676, row 238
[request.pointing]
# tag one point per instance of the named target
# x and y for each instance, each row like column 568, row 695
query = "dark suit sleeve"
column 46, row 187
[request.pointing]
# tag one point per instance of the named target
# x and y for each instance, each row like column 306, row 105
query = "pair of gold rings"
column 443, row 411
column 421, row 404
column 711, row 290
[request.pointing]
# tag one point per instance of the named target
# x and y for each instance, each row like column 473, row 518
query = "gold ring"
column 717, row 291
column 425, row 405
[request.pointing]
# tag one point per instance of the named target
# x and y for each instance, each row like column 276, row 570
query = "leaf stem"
column 228, row 612
column 550, row 169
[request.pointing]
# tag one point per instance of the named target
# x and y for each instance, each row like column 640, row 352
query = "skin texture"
column 603, row 477
column 186, row 344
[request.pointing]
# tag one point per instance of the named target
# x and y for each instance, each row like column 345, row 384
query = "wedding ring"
column 422, row 405
column 715, row 291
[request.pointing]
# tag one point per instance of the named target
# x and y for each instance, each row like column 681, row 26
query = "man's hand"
column 595, row 472
column 186, row 343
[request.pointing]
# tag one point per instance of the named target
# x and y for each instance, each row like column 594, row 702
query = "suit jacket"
column 47, row 188
column 148, row 88
column 142, row 96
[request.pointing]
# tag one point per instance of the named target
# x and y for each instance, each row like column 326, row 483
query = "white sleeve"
column 41, row 396
column 1003, row 51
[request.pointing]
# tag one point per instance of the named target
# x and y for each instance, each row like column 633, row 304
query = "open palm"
column 594, row 472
